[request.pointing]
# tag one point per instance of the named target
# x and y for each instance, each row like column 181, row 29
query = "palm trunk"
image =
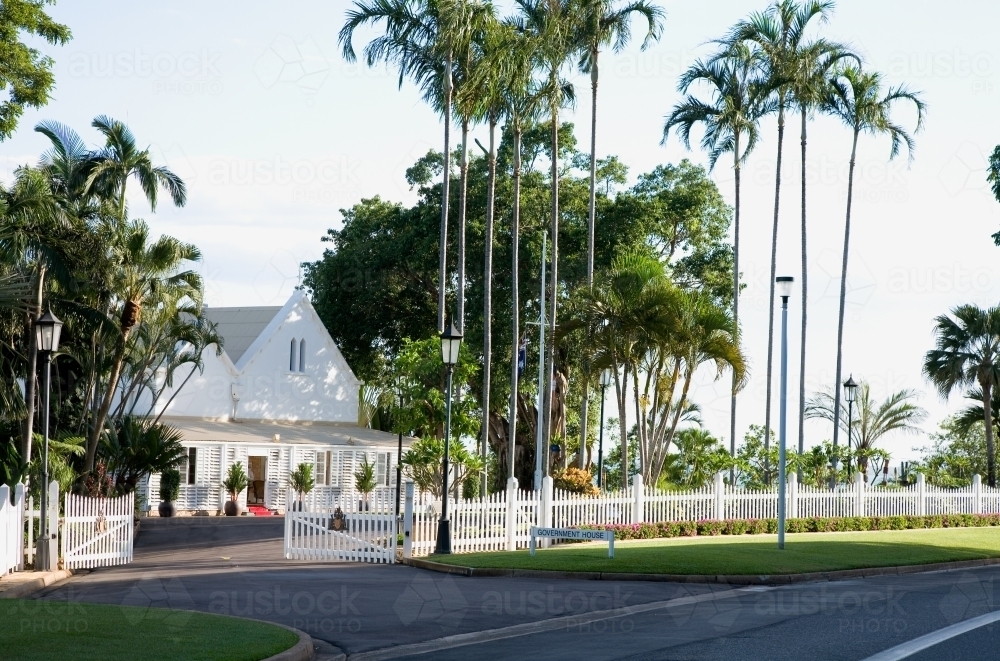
column 622, row 395
column 553, row 295
column 102, row 411
column 991, row 461
column 515, row 303
column 770, row 316
column 591, row 220
column 805, row 300
column 30, row 378
column 487, row 301
column 736, row 304
column 446, row 180
column 843, row 291
column 462, row 195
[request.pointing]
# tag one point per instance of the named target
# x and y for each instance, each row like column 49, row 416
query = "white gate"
column 332, row 534
column 11, row 529
column 97, row 532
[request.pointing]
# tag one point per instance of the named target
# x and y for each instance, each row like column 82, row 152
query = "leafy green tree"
column 25, row 72
column 135, row 447
column 422, row 463
column 957, row 452
column 856, row 98
column 302, row 480
column 698, row 458
column 967, row 354
column 424, row 391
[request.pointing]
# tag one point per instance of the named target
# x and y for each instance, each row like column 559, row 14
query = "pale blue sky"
column 252, row 104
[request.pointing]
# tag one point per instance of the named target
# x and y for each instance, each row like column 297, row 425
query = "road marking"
column 528, row 628
column 911, row 647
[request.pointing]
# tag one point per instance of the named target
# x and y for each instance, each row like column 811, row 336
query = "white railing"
column 368, row 535
column 490, row 525
column 11, row 529
column 97, row 532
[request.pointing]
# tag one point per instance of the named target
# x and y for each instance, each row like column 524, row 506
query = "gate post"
column 511, row 513
column 859, row 494
column 19, row 515
column 408, row 521
column 921, row 496
column 977, row 494
column 793, row 495
column 720, row 496
column 545, row 505
column 638, row 500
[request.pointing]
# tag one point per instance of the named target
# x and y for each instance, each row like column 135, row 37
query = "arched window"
column 291, row 356
column 302, row 355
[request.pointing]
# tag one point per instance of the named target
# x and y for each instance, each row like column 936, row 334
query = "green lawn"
column 37, row 629
column 753, row 554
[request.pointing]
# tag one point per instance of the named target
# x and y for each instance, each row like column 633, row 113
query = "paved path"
column 234, row 566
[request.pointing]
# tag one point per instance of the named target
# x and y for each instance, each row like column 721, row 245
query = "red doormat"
column 259, row 510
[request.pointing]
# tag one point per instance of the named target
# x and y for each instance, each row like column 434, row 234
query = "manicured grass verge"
column 38, row 629
column 753, row 555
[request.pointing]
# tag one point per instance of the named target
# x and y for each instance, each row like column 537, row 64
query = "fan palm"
column 777, row 37
column 605, row 23
column 967, row 354
column 856, row 97
column 731, row 120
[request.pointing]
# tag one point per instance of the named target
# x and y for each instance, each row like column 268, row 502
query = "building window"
column 302, row 355
column 291, row 356
column 192, row 464
column 381, row 468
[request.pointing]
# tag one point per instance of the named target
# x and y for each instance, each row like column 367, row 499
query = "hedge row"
column 713, row 528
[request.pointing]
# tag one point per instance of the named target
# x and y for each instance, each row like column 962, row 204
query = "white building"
column 280, row 394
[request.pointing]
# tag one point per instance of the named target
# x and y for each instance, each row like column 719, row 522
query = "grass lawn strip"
column 752, row 555
column 42, row 629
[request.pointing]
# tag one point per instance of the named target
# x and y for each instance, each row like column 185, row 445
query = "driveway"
column 235, row 566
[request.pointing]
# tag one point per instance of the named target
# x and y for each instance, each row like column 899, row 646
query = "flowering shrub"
column 713, row 528
column 575, row 480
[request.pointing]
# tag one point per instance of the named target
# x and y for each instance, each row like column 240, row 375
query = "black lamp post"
column 605, row 382
column 783, row 285
column 399, row 451
column 48, row 328
column 451, row 343
column 850, row 392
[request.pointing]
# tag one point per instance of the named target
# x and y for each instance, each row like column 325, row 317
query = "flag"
column 522, row 357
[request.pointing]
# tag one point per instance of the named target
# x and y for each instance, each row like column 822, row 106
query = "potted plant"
column 170, row 489
column 364, row 481
column 302, row 481
column 235, row 482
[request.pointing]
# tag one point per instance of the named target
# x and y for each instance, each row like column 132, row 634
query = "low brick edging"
column 27, row 583
column 732, row 579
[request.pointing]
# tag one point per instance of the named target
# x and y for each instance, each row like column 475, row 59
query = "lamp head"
column 48, row 328
column 850, row 389
column 451, row 342
column 783, row 285
column 606, row 377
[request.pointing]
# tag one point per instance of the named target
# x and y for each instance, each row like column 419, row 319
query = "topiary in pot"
column 170, row 489
column 236, row 481
column 302, row 482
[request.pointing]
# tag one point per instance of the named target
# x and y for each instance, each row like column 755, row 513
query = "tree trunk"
column 487, row 300
column 462, row 195
column 621, row 394
column 102, row 413
column 515, row 300
column 736, row 303
column 446, row 180
column 843, row 290
column 991, row 460
column 30, row 378
column 805, row 301
column 770, row 305
column 553, row 295
column 591, row 220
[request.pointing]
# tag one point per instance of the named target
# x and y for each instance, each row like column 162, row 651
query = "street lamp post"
column 850, row 392
column 451, row 343
column 605, row 382
column 784, row 290
column 399, row 451
column 47, row 331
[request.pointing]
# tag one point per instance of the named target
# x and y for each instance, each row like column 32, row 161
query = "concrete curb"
column 301, row 651
column 32, row 585
column 732, row 579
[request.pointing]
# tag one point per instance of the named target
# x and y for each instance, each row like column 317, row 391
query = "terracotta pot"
column 231, row 508
column 167, row 509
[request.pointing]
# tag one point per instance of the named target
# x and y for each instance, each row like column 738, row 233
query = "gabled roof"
column 239, row 327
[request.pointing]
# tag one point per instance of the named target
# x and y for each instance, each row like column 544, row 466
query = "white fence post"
column 720, row 497
column 859, row 494
column 977, row 494
column 408, row 521
column 638, row 500
column 793, row 495
column 545, row 507
column 921, row 495
column 511, row 513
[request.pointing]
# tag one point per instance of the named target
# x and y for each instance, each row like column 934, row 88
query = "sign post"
column 574, row 533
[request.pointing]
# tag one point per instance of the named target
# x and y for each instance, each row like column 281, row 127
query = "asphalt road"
column 235, row 566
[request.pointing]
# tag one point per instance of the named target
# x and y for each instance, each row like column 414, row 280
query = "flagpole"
column 541, row 371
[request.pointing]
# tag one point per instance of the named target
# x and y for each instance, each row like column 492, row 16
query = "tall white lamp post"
column 783, row 286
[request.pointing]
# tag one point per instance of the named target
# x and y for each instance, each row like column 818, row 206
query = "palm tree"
column 731, row 121
column 553, row 23
column 967, row 354
column 871, row 420
column 777, row 36
column 604, row 24
column 143, row 270
column 808, row 88
column 421, row 38
column 857, row 99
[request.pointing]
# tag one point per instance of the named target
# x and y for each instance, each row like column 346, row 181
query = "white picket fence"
column 489, row 525
column 97, row 532
column 11, row 529
column 347, row 527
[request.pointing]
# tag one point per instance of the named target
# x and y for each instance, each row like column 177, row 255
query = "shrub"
column 236, row 481
column 575, row 480
column 302, row 480
column 170, row 485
